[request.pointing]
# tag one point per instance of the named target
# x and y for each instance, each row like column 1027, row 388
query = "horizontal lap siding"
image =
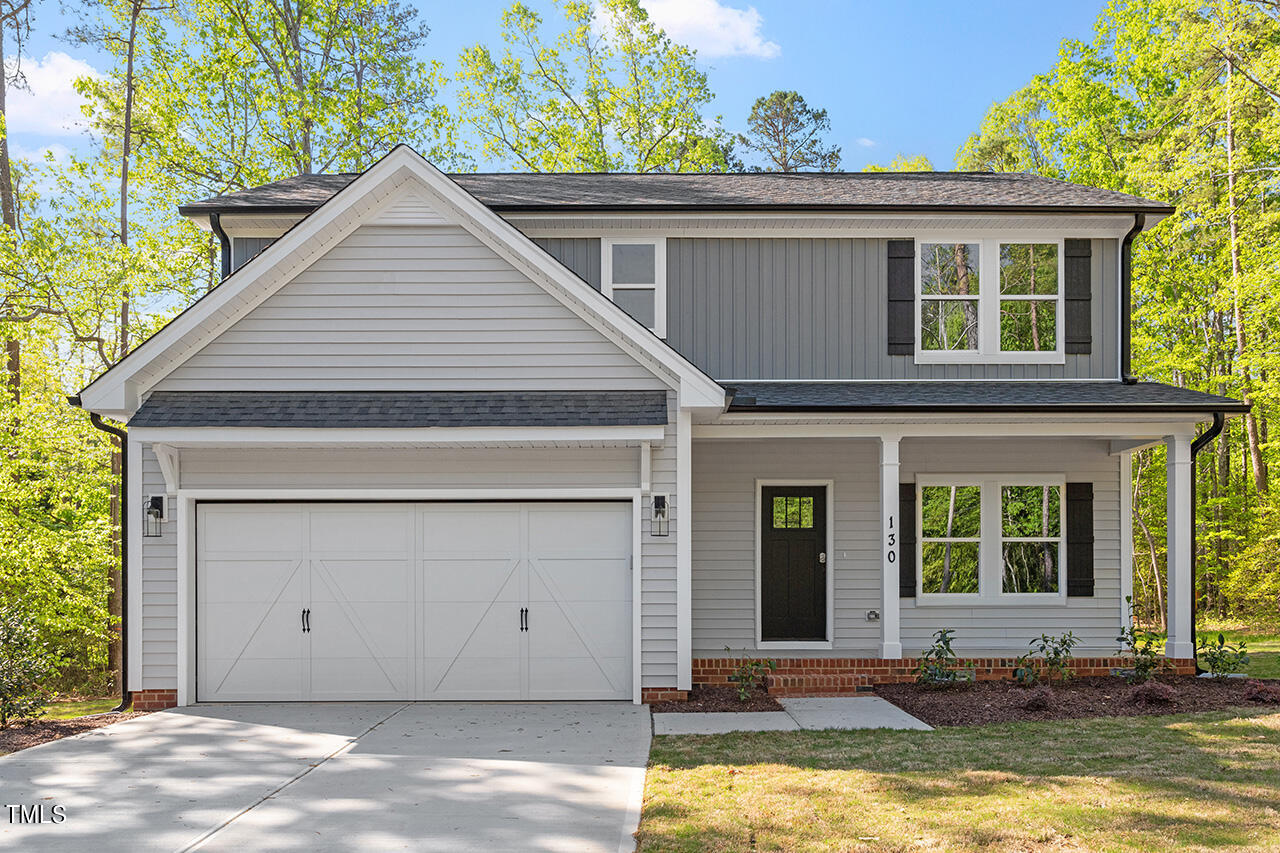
column 1095, row 620
column 724, row 536
column 748, row 308
column 410, row 308
column 423, row 468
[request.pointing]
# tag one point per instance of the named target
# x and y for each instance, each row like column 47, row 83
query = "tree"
column 24, row 666
column 15, row 24
column 788, row 134
column 902, row 163
column 608, row 91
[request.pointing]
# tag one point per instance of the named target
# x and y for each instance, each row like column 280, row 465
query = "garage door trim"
column 186, row 546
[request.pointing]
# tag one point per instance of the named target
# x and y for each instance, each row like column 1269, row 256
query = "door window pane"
column 792, row 513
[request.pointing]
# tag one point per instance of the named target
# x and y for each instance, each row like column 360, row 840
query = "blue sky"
column 912, row 77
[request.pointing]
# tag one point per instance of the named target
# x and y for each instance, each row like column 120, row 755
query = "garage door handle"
column 306, row 621
column 524, row 619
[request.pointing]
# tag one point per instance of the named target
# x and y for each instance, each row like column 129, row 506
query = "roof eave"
column 1073, row 408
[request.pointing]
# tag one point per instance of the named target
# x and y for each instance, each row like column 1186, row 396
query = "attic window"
column 634, row 276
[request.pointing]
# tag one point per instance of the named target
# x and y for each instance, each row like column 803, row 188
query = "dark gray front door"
column 793, row 563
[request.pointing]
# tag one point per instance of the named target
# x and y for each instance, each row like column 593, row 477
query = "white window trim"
column 659, row 286
column 990, row 571
column 830, row 486
column 988, row 299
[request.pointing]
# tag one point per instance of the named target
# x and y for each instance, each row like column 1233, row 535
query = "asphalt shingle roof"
column 975, row 396
column 401, row 409
column 942, row 191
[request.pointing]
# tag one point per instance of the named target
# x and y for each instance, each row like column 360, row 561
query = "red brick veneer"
column 154, row 700
column 843, row 676
column 663, row 694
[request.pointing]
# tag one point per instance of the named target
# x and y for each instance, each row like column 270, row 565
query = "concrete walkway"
column 843, row 712
column 340, row 777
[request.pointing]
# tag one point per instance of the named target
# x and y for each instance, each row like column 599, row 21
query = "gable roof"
column 117, row 392
column 957, row 192
column 1020, row 396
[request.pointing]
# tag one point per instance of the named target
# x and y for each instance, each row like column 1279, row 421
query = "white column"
column 1126, row 536
column 1179, row 556
column 684, row 550
column 891, row 538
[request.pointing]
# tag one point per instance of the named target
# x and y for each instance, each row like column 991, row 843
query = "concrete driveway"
column 339, row 776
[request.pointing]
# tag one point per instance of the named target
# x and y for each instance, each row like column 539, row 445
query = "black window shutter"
column 907, row 540
column 1078, row 296
column 1080, row 539
column 902, row 297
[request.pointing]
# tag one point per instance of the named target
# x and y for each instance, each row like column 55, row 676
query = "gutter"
column 126, row 697
column 1126, row 296
column 1199, row 444
column 224, row 242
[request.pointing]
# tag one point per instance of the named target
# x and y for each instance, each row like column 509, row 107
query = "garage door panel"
column 352, row 678
column 250, row 679
column 584, row 578
column 491, row 530
column 475, row 579
column 579, row 678
column 364, row 580
column 484, row 678
column 260, row 527
column 372, row 529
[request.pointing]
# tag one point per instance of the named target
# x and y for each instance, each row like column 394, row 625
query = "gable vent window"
column 989, row 301
column 634, row 275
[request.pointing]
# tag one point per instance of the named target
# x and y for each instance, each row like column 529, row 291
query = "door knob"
column 822, row 558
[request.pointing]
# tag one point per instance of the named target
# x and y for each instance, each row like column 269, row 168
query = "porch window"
column 990, row 539
column 989, row 301
column 634, row 276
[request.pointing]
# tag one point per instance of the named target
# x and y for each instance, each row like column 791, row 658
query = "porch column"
column 1179, row 557
column 684, row 550
column 891, row 535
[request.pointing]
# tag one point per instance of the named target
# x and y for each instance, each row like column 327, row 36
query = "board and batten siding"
column 800, row 308
column 580, row 254
column 399, row 308
column 421, row 468
column 724, row 537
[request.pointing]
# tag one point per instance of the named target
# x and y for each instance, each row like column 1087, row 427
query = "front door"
column 793, row 563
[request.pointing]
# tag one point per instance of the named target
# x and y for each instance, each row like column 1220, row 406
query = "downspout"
column 1199, row 444
column 224, row 242
column 126, row 697
column 1126, row 295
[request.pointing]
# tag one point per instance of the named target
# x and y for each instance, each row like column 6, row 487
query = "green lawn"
column 1187, row 782
column 79, row 708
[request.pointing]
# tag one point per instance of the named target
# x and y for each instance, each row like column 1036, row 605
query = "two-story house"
column 557, row 436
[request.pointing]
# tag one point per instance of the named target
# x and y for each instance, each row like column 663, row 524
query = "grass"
column 79, row 708
column 1187, row 782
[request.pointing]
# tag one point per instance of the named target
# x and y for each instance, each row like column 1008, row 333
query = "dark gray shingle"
column 402, row 409
column 975, row 396
column 797, row 190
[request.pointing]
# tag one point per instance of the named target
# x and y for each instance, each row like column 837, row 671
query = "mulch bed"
column 1003, row 701
column 20, row 736
column 708, row 699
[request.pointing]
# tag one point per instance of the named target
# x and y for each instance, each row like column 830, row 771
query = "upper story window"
column 991, row 539
column 633, row 273
column 989, row 300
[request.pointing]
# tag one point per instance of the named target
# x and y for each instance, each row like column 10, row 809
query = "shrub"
column 750, row 673
column 1141, row 645
column 1056, row 652
column 1026, row 670
column 939, row 666
column 1221, row 657
column 25, row 667
column 1259, row 691
column 1039, row 699
column 1152, row 693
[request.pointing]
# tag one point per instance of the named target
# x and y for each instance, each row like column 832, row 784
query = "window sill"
column 968, row 357
column 793, row 644
column 1009, row 599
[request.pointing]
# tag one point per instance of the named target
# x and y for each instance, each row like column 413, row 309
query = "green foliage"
column 1026, row 669
column 1142, row 645
column 601, row 90
column 939, row 666
column 902, row 163
column 749, row 674
column 26, row 665
column 788, row 134
column 1222, row 658
column 1055, row 651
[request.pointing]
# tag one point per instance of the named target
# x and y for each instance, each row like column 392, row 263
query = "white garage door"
column 425, row 601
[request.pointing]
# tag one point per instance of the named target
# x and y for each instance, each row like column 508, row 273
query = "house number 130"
column 892, row 540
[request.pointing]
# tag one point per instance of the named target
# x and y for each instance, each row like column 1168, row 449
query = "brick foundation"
column 154, row 700
column 846, row 676
column 662, row 694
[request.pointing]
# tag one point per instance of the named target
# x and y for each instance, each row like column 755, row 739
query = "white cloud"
column 712, row 28
column 50, row 105
column 865, row 143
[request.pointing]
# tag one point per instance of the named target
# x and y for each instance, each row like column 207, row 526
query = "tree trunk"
column 946, row 551
column 9, row 214
column 970, row 309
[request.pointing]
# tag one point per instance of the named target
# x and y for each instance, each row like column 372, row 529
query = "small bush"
column 1056, row 652
column 1221, row 657
column 1039, row 699
column 25, row 667
column 750, row 674
column 939, row 666
column 1259, row 691
column 1141, row 645
column 1026, row 670
column 1152, row 693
